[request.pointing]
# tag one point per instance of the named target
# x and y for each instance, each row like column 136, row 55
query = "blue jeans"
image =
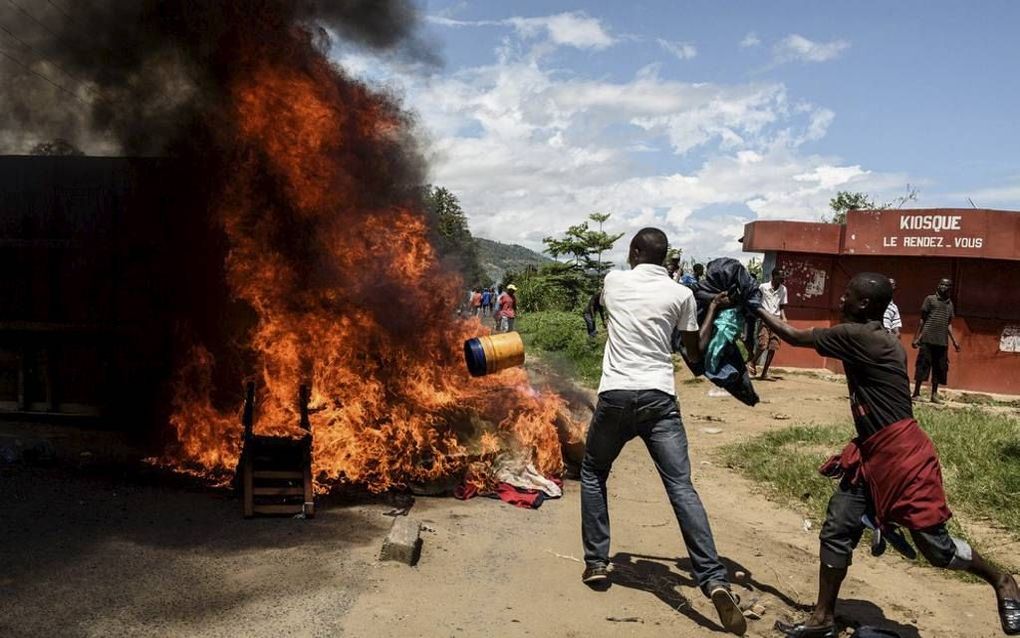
column 653, row 415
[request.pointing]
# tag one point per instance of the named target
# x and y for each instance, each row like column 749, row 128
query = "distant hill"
column 497, row 258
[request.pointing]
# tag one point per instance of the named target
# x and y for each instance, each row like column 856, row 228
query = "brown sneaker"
column 596, row 577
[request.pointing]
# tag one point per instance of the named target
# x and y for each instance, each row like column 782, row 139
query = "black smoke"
column 132, row 76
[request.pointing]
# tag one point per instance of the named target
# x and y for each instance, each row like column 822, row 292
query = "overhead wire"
column 41, row 76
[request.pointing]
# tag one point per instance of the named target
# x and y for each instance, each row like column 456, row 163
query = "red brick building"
column 978, row 249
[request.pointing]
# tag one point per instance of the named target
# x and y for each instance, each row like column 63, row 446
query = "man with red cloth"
column 890, row 472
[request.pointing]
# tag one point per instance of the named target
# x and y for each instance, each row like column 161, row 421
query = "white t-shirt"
column 773, row 298
column 643, row 305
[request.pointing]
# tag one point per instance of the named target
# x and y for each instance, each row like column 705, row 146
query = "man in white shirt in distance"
column 774, row 298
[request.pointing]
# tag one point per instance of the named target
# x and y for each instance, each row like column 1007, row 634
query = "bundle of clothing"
column 517, row 483
column 723, row 363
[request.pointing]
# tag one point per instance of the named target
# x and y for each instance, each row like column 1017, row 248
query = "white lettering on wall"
column 937, row 223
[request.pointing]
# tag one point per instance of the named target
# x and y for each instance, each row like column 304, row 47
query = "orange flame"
column 369, row 322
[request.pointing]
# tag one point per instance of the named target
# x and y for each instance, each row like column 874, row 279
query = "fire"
column 348, row 292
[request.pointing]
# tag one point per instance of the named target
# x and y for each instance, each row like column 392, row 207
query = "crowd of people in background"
column 492, row 303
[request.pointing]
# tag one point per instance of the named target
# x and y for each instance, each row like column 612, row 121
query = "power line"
column 41, row 76
column 32, row 17
column 48, row 61
column 58, row 8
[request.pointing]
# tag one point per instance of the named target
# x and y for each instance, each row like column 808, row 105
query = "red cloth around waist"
column 900, row 466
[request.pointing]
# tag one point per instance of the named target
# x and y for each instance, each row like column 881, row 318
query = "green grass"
column 562, row 338
column 979, row 451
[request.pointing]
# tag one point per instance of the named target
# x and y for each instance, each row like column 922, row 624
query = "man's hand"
column 722, row 301
column 957, row 346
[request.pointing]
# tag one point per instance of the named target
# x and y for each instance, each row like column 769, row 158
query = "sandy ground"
column 97, row 553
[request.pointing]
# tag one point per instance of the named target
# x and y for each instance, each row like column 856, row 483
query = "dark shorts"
column 843, row 528
column 934, row 361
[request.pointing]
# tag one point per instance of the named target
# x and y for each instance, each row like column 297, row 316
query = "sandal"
column 1009, row 616
column 803, row 631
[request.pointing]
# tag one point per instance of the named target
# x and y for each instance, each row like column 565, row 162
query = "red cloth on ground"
column 528, row 499
column 900, row 466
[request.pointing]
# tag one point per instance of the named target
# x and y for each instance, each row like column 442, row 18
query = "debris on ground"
column 778, row 416
column 712, row 430
column 564, row 556
column 624, row 619
column 403, row 542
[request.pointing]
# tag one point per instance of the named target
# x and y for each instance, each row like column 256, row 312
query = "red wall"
column 986, row 297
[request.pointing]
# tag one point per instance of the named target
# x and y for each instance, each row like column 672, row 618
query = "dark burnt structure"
column 105, row 264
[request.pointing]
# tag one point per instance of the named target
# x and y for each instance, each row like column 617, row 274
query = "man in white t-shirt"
column 774, row 299
column 891, row 320
column 637, row 397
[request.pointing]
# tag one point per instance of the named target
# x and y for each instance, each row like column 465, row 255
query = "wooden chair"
column 276, row 472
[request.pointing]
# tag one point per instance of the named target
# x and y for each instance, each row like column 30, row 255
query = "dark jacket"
column 730, row 276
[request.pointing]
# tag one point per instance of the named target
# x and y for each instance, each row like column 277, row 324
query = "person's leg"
column 939, row 370
column 922, row 368
column 510, row 324
column 610, row 428
column 948, row 552
column 659, row 425
column 839, row 536
column 760, row 346
column 773, row 346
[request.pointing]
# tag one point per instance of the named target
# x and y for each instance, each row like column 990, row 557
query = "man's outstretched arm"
column 786, row 332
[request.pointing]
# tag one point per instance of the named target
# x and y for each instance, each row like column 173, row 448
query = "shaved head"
column 649, row 246
column 868, row 295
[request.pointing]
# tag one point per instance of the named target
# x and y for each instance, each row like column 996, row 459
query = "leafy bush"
column 562, row 337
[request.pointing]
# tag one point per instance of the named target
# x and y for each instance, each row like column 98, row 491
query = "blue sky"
column 699, row 117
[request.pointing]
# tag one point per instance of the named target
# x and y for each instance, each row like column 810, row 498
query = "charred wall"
column 109, row 264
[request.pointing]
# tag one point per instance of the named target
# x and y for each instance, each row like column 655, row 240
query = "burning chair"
column 276, row 472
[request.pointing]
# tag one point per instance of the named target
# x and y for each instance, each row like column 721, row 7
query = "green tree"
column 846, row 201
column 58, row 147
column 585, row 246
column 754, row 266
column 452, row 237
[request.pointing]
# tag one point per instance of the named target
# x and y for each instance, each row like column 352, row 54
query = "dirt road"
column 102, row 557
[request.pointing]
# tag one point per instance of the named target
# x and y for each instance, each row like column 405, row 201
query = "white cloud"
column 574, row 29
column 530, row 150
column 682, row 50
column 750, row 40
column 797, row 48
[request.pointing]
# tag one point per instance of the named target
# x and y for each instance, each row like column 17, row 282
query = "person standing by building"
column 486, row 302
column 506, row 314
column 476, row 302
column 674, row 269
column 931, row 340
column 637, row 397
column 774, row 298
column 889, row 473
column 699, row 272
column 591, row 310
column 891, row 320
